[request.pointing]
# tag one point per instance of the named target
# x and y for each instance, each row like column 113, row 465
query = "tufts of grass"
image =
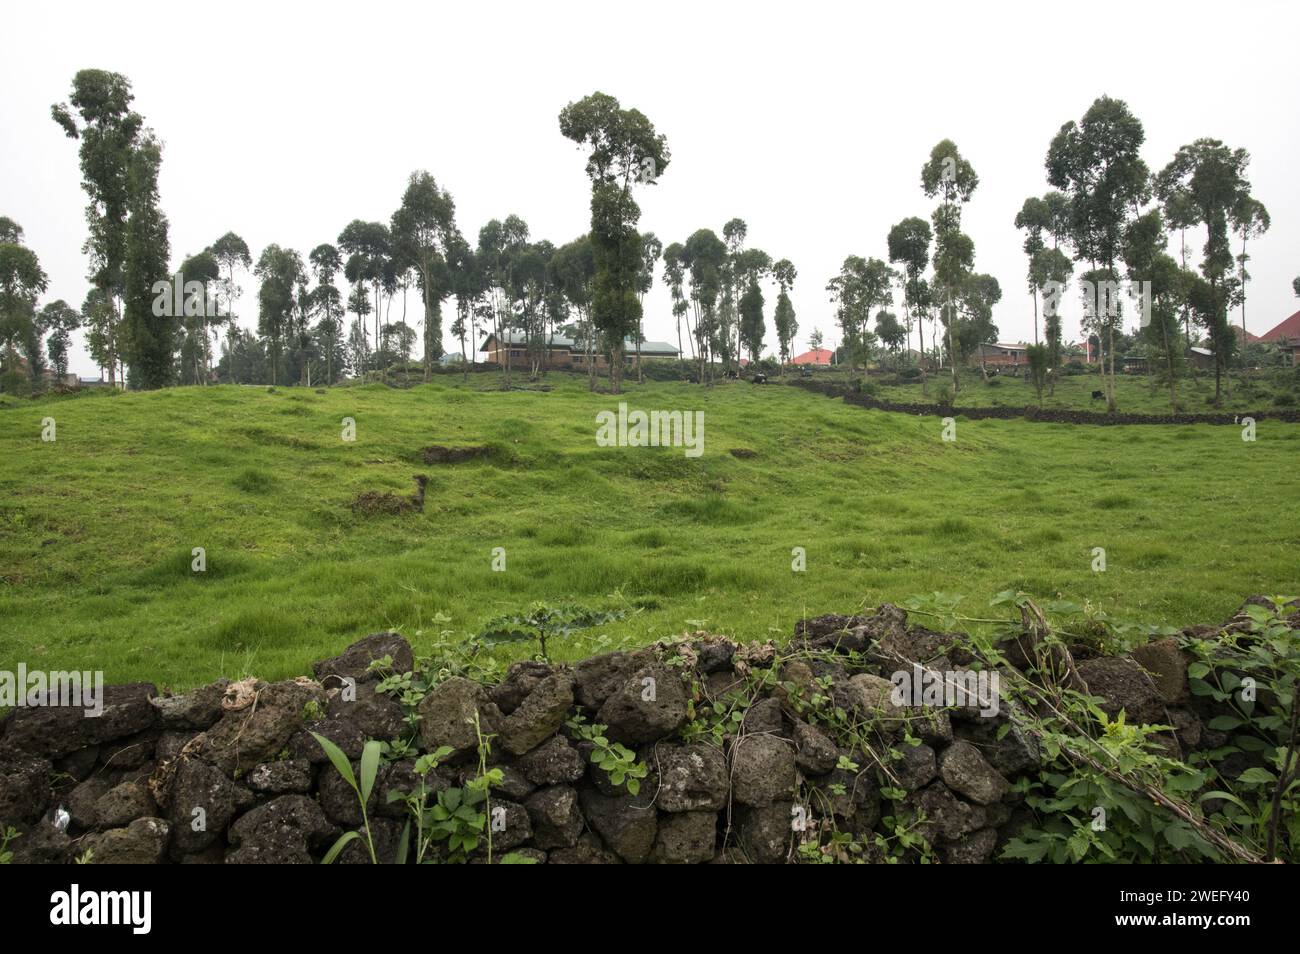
column 97, row 530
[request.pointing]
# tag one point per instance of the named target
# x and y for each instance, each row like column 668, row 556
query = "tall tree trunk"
column 640, row 378
column 920, row 338
column 111, row 320
column 616, row 367
column 1110, row 356
column 1243, row 290
column 424, row 295
column 952, row 352
column 680, row 355
column 1172, row 362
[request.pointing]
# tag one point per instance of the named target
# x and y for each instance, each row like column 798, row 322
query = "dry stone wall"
column 739, row 767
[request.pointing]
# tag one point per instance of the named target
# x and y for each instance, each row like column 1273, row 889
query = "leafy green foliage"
column 617, row 761
column 6, row 836
column 1254, row 673
column 363, row 787
column 1109, row 789
column 542, row 623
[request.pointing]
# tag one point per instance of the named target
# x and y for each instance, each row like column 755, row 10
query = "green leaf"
column 1257, row 776
column 1224, row 722
column 1227, row 797
column 403, row 843
column 338, row 759
column 1029, row 851
column 369, row 768
column 339, row 845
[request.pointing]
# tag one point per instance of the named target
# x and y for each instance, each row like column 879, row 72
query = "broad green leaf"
column 338, row 759
column 369, row 768
column 339, row 845
column 403, row 843
column 1257, row 776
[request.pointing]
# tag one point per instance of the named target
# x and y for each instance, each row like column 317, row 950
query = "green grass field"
column 97, row 528
column 1133, row 392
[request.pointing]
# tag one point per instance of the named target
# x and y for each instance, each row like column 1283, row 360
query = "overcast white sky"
column 810, row 121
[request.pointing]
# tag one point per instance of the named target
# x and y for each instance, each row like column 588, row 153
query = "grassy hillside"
column 1258, row 391
column 96, row 529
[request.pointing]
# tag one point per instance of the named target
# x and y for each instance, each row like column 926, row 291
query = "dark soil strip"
column 1048, row 415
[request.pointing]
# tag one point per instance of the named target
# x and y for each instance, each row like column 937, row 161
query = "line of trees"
column 939, row 287
column 525, row 292
column 1106, row 217
column 1115, row 218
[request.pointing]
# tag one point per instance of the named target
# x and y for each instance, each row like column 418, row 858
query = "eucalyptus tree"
column 909, row 246
column 1211, row 179
column 951, row 178
column 890, row 331
column 1035, row 217
column 99, row 114
column 1097, row 165
column 862, row 286
column 398, row 275
column 1038, row 361
column 232, row 255
column 734, row 233
column 468, row 283
column 530, row 294
column 359, row 303
column 99, row 316
column 358, row 345
column 625, row 150
column 327, row 304
column 784, row 273
column 151, row 333
column 651, row 249
column 1058, row 216
column 979, row 293
column 705, row 258
column 281, row 272
column 22, row 281
column 498, row 244
column 59, row 319
column 369, row 247
column 753, row 329
column 422, row 231
column 197, row 316
column 1250, row 219
column 574, row 268
column 1049, row 274
column 750, row 267
column 675, row 278
column 303, row 352
column 1146, row 258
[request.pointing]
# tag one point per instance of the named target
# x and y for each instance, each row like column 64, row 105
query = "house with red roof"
column 1287, row 338
column 815, row 356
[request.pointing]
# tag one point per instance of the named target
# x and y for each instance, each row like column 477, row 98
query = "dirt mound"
column 373, row 503
column 437, row 454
